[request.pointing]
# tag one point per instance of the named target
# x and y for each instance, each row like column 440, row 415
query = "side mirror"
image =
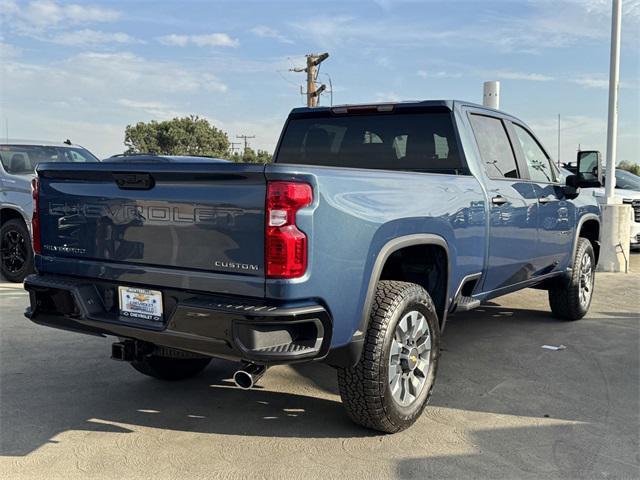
column 572, row 188
column 589, row 168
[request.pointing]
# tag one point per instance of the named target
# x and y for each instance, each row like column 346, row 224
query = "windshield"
column 401, row 141
column 627, row 180
column 23, row 159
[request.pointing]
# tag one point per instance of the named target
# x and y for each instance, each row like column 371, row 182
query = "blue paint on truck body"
column 199, row 229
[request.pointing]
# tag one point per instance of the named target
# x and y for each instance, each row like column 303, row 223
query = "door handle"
column 498, row 200
column 544, row 200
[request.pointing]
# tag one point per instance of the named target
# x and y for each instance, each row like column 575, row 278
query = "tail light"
column 35, row 217
column 286, row 246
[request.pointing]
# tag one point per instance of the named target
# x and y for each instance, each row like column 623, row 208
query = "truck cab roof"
column 449, row 104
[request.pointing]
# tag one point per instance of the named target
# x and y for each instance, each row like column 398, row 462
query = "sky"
column 85, row 70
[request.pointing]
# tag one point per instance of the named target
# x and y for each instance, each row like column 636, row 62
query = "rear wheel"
column 389, row 387
column 16, row 254
column 167, row 368
column 570, row 298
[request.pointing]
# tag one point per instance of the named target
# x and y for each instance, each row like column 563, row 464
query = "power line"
column 279, row 72
column 245, row 138
column 330, row 91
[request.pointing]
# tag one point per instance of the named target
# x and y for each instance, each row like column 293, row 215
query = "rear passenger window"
column 495, row 148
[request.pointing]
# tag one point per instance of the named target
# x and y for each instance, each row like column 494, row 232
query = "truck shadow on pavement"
column 205, row 404
column 491, row 362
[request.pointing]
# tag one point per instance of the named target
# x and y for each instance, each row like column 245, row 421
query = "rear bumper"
column 226, row 327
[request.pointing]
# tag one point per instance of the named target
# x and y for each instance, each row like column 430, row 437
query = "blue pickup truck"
column 370, row 227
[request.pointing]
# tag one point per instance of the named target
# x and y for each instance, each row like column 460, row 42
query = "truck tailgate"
column 205, row 217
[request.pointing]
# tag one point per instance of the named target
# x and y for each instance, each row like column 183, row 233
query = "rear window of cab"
column 423, row 142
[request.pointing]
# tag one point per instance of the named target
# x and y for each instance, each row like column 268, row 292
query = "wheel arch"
column 349, row 354
column 588, row 227
column 10, row 213
column 387, row 257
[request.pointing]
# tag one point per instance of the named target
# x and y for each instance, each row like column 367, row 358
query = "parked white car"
column 627, row 191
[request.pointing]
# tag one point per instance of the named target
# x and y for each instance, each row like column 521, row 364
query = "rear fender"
column 350, row 354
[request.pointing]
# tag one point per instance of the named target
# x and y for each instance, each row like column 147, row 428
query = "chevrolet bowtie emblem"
column 141, row 298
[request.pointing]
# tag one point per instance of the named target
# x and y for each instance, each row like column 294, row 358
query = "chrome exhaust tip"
column 248, row 375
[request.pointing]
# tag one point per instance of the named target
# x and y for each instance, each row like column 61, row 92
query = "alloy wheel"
column 410, row 358
column 586, row 280
column 13, row 251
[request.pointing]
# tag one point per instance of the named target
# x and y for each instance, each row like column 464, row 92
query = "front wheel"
column 389, row 387
column 570, row 298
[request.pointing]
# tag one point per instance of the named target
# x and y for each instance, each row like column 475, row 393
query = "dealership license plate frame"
column 142, row 303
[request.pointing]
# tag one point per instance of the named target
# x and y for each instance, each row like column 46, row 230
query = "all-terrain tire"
column 16, row 260
column 567, row 297
column 168, row 368
column 365, row 388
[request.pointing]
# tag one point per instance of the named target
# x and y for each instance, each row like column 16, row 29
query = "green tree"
column 181, row 136
column 630, row 167
column 264, row 156
column 251, row 156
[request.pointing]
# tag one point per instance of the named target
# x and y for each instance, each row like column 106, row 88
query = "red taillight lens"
column 285, row 245
column 35, row 218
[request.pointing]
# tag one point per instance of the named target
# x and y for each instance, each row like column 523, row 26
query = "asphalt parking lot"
column 503, row 407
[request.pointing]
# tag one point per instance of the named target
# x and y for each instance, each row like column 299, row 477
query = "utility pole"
column 234, row 147
column 313, row 62
column 245, row 138
column 558, row 140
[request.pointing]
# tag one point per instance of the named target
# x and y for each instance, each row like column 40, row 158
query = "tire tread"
column 564, row 296
column 362, row 387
